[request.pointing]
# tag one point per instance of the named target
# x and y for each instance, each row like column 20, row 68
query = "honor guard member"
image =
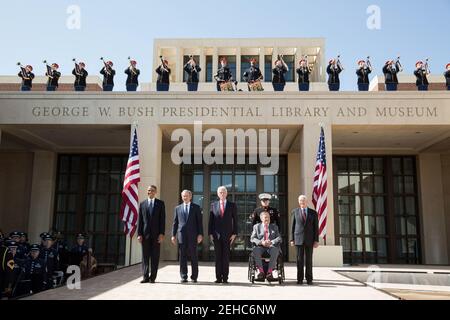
column 390, row 71
column 447, row 76
column 334, row 69
column 163, row 80
column 265, row 206
column 53, row 76
column 421, row 73
column 22, row 251
column 27, row 78
column 223, row 74
column 35, row 271
column 24, row 242
column 63, row 252
column 363, row 72
column 79, row 250
column 6, row 269
column 303, row 72
column 108, row 76
column 43, row 235
column 132, row 76
column 192, row 69
column 50, row 256
column 252, row 74
column 15, row 285
column 80, row 74
column 280, row 69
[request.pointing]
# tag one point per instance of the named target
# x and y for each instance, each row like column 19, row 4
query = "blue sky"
column 31, row 31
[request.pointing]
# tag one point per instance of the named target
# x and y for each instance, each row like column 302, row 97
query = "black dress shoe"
column 184, row 280
column 300, row 282
column 270, row 278
column 145, row 281
column 152, row 280
column 310, row 283
column 218, row 281
column 194, row 280
column 261, row 277
column 224, row 281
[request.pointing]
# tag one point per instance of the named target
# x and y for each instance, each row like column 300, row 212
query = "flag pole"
column 134, row 126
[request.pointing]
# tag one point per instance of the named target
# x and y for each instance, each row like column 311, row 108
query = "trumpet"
column 49, row 69
column 107, row 66
column 368, row 64
column 425, row 67
column 77, row 67
column 132, row 69
column 338, row 62
column 164, row 66
column 398, row 64
column 23, row 70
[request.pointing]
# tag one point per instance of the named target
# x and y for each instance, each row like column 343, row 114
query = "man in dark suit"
column 151, row 226
column 305, row 236
column 266, row 238
column 187, row 230
column 222, row 230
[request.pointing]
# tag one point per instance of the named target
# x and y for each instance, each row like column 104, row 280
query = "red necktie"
column 304, row 216
column 266, row 232
column 222, row 209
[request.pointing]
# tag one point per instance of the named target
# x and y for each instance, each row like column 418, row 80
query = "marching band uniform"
column 421, row 77
column 27, row 78
column 163, row 81
column 192, row 69
column 447, row 76
column 252, row 74
column 132, row 76
column 223, row 74
column 390, row 75
column 333, row 75
column 363, row 76
column 80, row 77
column 53, row 77
column 108, row 76
column 278, row 80
column 6, row 268
column 303, row 72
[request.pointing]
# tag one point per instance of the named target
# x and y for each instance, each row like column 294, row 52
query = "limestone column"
column 150, row 144
column 42, row 194
column 262, row 65
column 434, row 237
column 202, row 65
column 215, row 61
column 179, row 65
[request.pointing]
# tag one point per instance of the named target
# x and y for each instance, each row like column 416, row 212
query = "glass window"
column 268, row 66
column 209, row 68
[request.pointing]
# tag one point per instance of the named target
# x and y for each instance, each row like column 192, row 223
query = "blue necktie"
column 185, row 212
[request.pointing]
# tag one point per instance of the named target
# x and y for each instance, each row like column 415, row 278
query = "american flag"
column 130, row 201
column 319, row 197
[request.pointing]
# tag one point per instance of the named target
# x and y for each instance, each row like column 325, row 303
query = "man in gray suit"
column 187, row 230
column 305, row 236
column 266, row 238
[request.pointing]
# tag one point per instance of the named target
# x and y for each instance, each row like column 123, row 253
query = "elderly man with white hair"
column 222, row 230
column 305, row 236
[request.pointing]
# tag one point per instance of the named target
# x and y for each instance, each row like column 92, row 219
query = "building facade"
column 63, row 156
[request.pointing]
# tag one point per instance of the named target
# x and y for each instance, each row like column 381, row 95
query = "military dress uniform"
column 35, row 272
column 108, row 77
column 163, row 80
column 421, row 79
column 223, row 75
column 193, row 72
column 6, row 269
column 78, row 252
column 278, row 80
column 132, row 81
column 80, row 79
column 51, row 259
column 390, row 76
column 53, row 78
column 16, row 285
column 333, row 77
column 363, row 78
column 252, row 74
column 303, row 78
column 27, row 80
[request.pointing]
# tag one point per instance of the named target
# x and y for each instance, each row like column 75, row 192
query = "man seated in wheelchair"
column 267, row 239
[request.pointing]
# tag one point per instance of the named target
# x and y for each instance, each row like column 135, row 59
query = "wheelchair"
column 265, row 259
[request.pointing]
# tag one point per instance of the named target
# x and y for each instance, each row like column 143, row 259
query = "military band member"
column 79, row 250
column 390, row 71
column 24, row 242
column 421, row 73
column 50, row 256
column 447, row 76
column 6, row 269
column 22, row 251
column 63, row 251
column 53, row 77
column 252, row 74
column 223, row 74
column 163, row 71
column 280, row 69
column 265, row 206
column 108, row 76
column 27, row 78
column 192, row 69
column 15, row 287
column 35, row 271
column 334, row 69
column 303, row 72
column 132, row 76
column 363, row 72
column 80, row 74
